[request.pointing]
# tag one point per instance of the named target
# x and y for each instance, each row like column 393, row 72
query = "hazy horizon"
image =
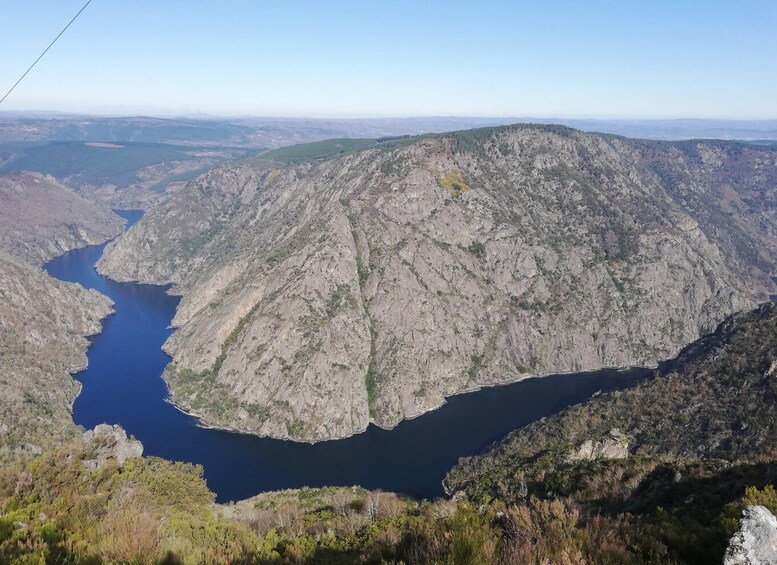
column 247, row 116
column 604, row 60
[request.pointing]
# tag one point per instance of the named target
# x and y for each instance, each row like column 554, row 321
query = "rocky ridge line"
column 321, row 296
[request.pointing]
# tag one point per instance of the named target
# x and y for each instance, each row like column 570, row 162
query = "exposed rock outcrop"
column 614, row 446
column 756, row 541
column 321, row 296
column 43, row 322
column 40, row 218
column 107, row 443
column 711, row 405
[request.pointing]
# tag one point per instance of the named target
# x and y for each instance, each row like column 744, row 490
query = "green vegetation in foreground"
column 53, row 509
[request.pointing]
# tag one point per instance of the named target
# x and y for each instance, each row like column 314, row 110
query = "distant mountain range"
column 256, row 132
column 135, row 162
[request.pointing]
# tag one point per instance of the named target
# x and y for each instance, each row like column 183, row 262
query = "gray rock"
column 321, row 296
column 756, row 541
column 615, row 446
column 40, row 218
column 43, row 321
column 109, row 443
column 29, row 449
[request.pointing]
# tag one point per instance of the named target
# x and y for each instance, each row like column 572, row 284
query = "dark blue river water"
column 123, row 385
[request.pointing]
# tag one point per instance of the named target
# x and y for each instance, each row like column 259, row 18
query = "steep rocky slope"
column 679, row 456
column 42, row 327
column 717, row 401
column 96, row 500
column 40, row 219
column 43, row 322
column 323, row 295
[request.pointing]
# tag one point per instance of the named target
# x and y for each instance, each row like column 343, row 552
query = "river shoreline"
column 204, row 425
column 122, row 384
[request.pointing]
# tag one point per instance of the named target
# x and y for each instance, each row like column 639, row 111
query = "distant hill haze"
column 124, row 175
column 134, row 162
column 331, row 286
column 264, row 131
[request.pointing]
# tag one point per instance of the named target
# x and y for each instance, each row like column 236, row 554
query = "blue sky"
column 614, row 59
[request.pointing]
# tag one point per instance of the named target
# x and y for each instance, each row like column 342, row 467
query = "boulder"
column 756, row 541
column 109, row 443
column 614, row 446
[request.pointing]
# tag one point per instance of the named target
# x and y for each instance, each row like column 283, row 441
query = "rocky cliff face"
column 43, row 322
column 714, row 403
column 756, row 541
column 694, row 443
column 40, row 218
column 321, row 296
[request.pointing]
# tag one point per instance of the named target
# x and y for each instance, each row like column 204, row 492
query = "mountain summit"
column 324, row 293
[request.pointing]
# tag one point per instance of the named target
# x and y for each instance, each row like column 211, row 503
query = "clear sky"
column 615, row 58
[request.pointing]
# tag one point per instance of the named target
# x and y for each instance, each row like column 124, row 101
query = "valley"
column 413, row 269
column 564, row 487
column 122, row 385
column 43, row 322
column 392, row 266
column 388, row 283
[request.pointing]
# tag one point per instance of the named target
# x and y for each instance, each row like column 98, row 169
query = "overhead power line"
column 45, row 51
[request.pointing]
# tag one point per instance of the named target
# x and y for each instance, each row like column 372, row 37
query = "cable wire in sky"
column 45, row 51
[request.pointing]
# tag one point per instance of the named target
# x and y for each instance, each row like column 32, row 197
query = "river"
column 123, row 385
